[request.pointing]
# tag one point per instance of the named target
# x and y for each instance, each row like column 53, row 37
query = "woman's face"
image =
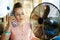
column 18, row 12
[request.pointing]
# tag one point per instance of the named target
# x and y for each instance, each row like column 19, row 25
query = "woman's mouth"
column 21, row 18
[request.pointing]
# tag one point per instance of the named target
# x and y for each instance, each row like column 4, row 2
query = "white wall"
column 3, row 7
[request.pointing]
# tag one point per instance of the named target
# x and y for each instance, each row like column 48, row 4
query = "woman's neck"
column 21, row 22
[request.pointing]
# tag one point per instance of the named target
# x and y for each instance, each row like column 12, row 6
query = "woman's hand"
column 35, row 38
column 9, row 25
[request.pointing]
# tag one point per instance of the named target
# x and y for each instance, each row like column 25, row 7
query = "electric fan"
column 45, row 21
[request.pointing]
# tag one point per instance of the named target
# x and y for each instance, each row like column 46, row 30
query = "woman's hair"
column 17, row 5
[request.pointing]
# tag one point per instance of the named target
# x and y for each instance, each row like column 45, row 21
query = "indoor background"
column 28, row 6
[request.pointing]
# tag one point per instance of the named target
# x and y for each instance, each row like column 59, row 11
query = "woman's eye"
column 17, row 14
column 22, row 13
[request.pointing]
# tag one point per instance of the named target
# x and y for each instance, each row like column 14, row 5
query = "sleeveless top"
column 18, row 34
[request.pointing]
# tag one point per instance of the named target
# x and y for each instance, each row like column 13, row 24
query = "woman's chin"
column 19, row 20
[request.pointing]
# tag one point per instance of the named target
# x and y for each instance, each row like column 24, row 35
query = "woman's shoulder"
column 27, row 22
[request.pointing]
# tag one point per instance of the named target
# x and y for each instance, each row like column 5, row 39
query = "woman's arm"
column 5, row 37
column 7, row 32
column 32, row 36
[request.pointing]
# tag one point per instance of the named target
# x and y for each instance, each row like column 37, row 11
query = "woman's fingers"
column 11, row 18
column 9, row 25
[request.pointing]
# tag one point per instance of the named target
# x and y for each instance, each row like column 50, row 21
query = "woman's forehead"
column 18, row 10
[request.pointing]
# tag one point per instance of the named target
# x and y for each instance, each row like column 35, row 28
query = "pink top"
column 25, row 34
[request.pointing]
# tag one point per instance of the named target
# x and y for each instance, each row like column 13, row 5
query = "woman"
column 17, row 28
